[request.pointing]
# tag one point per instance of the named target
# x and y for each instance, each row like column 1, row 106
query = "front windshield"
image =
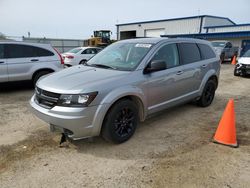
column 121, row 56
column 218, row 44
column 246, row 54
column 74, row 50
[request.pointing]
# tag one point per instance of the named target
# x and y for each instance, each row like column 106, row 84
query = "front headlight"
column 80, row 100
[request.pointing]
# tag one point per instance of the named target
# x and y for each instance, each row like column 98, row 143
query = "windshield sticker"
column 143, row 45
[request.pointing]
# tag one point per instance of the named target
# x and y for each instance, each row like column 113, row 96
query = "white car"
column 79, row 55
column 242, row 68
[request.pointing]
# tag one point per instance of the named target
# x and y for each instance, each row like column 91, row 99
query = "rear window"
column 75, row 50
column 22, row 51
column 189, row 52
column 206, row 51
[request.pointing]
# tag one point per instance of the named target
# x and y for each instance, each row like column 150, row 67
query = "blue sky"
column 77, row 19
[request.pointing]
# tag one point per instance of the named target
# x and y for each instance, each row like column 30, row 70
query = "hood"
column 244, row 60
column 79, row 79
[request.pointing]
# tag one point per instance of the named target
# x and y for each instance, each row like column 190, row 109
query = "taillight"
column 70, row 56
column 61, row 59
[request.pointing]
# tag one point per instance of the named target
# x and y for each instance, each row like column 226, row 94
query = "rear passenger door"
column 207, row 56
column 3, row 65
column 21, row 59
column 191, row 68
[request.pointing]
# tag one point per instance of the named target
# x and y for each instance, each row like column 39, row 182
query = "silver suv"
column 124, row 84
column 27, row 61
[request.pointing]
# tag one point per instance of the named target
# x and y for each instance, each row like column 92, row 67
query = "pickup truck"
column 225, row 49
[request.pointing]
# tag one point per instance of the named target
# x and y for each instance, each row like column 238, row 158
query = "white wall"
column 184, row 26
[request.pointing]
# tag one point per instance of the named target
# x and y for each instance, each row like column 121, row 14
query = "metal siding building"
column 204, row 27
column 62, row 45
column 188, row 25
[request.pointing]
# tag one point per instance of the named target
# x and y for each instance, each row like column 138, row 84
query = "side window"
column 1, row 51
column 98, row 50
column 189, row 53
column 40, row 52
column 19, row 51
column 228, row 45
column 89, row 51
column 169, row 54
column 206, row 51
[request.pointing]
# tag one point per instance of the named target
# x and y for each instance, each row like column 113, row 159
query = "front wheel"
column 208, row 93
column 120, row 122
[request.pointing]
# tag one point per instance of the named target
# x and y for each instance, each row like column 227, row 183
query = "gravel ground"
column 171, row 149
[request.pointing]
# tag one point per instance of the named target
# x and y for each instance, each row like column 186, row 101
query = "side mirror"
column 155, row 65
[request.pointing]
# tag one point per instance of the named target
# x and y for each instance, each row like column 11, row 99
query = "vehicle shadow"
column 16, row 86
column 162, row 135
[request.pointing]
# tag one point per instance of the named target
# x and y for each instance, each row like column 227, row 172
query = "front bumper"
column 77, row 123
column 243, row 69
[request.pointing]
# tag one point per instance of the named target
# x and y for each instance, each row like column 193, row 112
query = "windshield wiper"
column 103, row 66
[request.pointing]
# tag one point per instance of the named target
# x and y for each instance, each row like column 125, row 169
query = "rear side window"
column 1, row 51
column 189, row 52
column 23, row 51
column 206, row 51
column 89, row 51
column 42, row 52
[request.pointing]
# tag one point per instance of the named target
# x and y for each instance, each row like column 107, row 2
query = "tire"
column 39, row 75
column 208, row 94
column 82, row 62
column 120, row 122
column 236, row 72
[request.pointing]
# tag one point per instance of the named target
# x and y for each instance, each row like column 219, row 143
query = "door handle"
column 204, row 66
column 179, row 72
column 33, row 60
column 1, row 62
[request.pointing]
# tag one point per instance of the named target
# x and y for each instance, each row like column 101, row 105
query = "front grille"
column 45, row 98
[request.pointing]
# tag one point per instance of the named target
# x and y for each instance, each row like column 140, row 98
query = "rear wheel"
column 120, row 122
column 39, row 75
column 208, row 94
column 82, row 62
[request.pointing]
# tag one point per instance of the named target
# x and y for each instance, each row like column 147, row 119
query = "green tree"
column 2, row 36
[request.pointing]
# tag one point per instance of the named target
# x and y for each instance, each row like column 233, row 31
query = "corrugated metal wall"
column 228, row 29
column 184, row 26
column 62, row 45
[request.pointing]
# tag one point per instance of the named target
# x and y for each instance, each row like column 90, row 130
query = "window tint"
column 169, row 54
column 42, row 52
column 89, row 51
column 228, row 45
column 189, row 52
column 1, row 51
column 22, row 51
column 206, row 51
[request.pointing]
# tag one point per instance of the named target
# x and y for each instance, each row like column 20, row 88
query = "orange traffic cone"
column 234, row 60
column 226, row 131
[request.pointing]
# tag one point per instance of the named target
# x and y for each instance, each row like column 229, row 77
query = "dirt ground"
column 171, row 149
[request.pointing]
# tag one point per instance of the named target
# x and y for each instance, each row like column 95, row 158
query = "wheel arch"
column 40, row 70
